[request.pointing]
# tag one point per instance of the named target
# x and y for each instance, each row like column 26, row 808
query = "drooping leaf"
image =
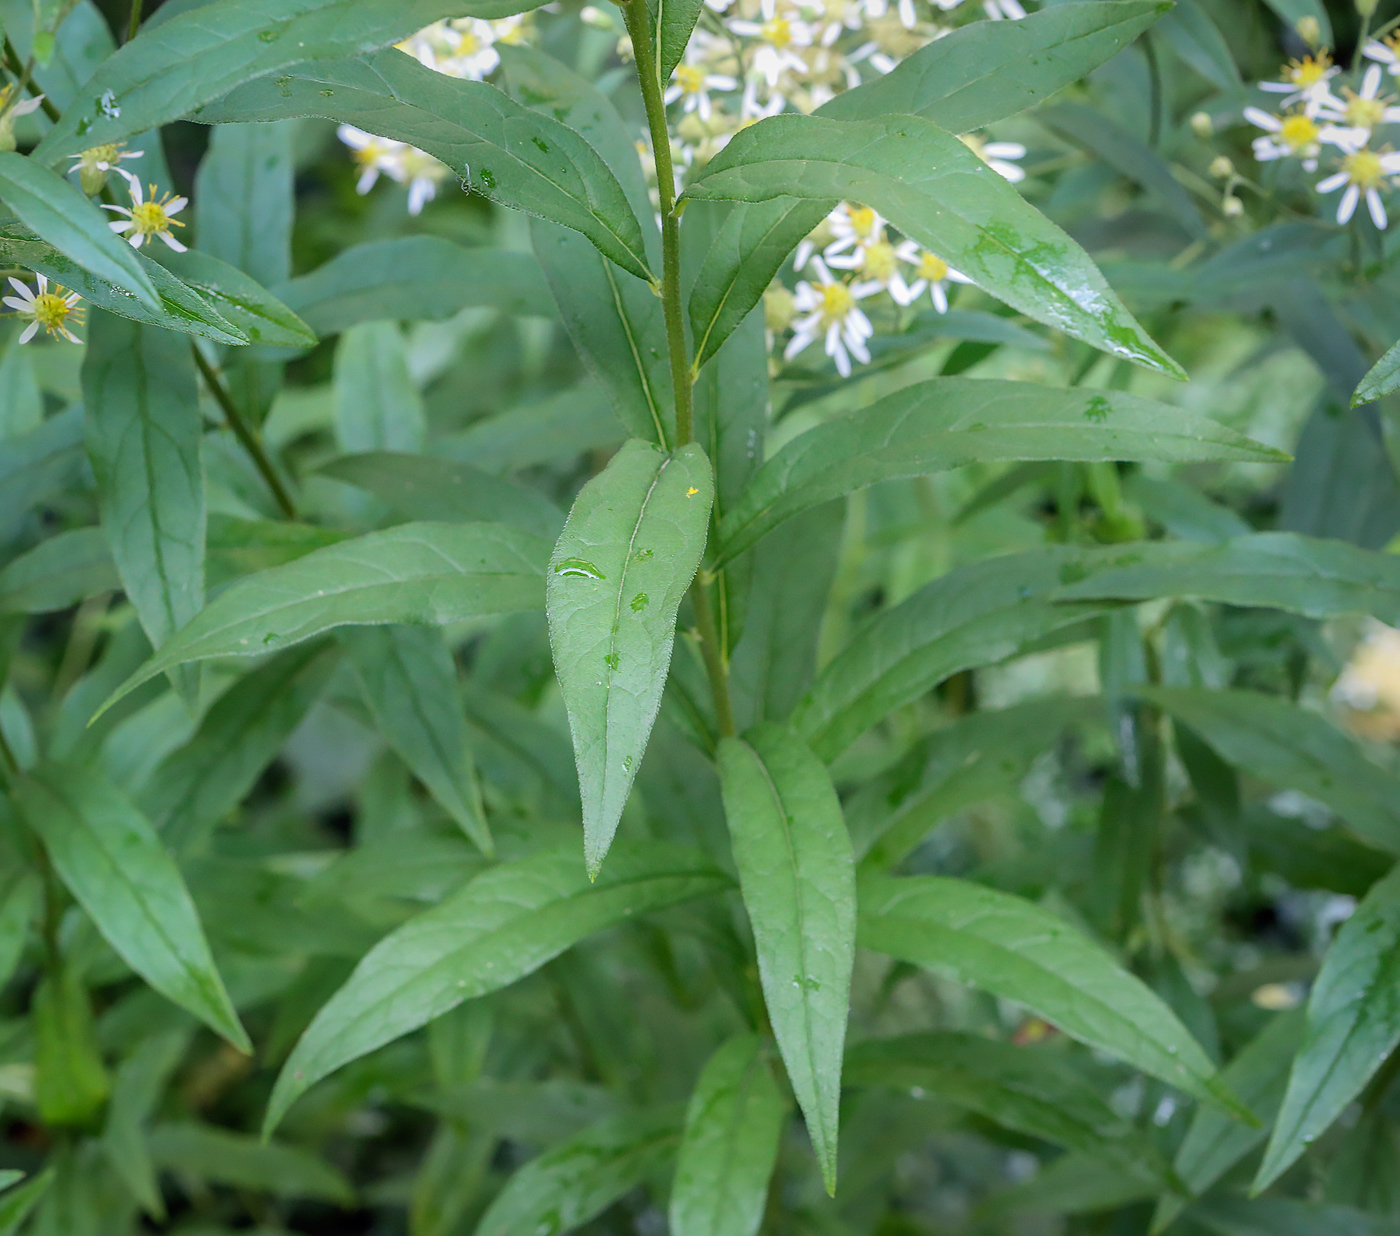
column 1283, row 744
column 410, row 686
column 243, row 200
column 948, row 422
column 429, row 573
column 110, row 858
column 975, row 615
column 1353, row 1024
column 501, row 926
column 554, row 430
column 16, row 1204
column 1016, row 950
column 377, row 404
column 241, row 300
column 62, row 216
column 223, row 1157
column 135, row 1093
column 181, row 308
column 797, row 876
column 498, row 148
column 431, row 487
column 570, row 1183
column 935, row 190
column 732, row 1128
column 58, row 572
column 628, row 552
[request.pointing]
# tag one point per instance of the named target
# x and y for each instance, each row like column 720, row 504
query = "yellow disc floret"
column 1298, row 131
column 690, row 79
column 54, row 312
column 1363, row 168
column 837, row 302
column 150, row 217
column 932, row 268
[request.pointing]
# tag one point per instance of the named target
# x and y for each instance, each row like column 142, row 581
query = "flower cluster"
column 1336, row 128
column 464, row 47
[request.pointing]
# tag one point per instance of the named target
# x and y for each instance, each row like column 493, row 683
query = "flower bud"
column 1221, row 168
column 1202, row 125
column 779, row 308
column 1310, row 29
column 1232, row 206
column 1365, row 7
column 7, row 132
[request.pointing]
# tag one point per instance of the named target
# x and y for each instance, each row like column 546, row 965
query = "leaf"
column 568, row 1185
column 797, row 877
column 1341, row 486
column 70, row 1082
column 1195, row 37
column 222, row 1157
column 554, row 430
column 733, row 1124
column 140, row 1081
column 143, row 438
column 731, row 401
column 498, row 148
column 181, row 308
column 243, row 200
column 35, row 465
column 974, row 615
column 428, row 573
column 1290, row 12
column 984, row 72
column 199, row 783
column 948, row 422
column 409, row 681
column 171, row 68
column 1305, row 575
column 58, row 572
column 1014, row 949
column 241, row 300
column 673, row 21
column 627, row 554
column 1353, row 1024
column 16, row 1205
column 415, row 278
column 1282, row 744
column 377, row 405
column 935, row 190
column 1026, row 1089
column 110, row 858
column 1284, row 1216
column 431, row 487
column 62, row 216
column 19, row 903
column 503, row 925
column 1382, row 379
column 1214, row 1143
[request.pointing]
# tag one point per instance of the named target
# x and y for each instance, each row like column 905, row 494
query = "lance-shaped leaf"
column 414, row 278
column 1302, row 574
column 240, row 299
column 626, row 556
column 497, row 147
column 503, row 925
column 110, row 858
column 797, row 876
column 224, row 1157
column 1277, row 741
column 975, row 615
column 244, row 200
column 1029, row 1090
column 16, row 1205
column 987, row 71
column 181, row 308
column 427, row 573
column 143, row 437
column 733, row 1124
column 935, row 190
column 1353, row 1024
column 62, row 215
column 1015, row 949
column 570, row 1183
column 1382, row 379
column 1284, row 1216
column 201, row 54
column 410, row 687
column 948, row 422
column 58, row 573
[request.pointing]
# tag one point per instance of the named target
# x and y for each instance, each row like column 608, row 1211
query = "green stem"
column 716, row 662
column 134, row 22
column 244, row 432
column 649, row 78
column 7, row 758
column 22, row 72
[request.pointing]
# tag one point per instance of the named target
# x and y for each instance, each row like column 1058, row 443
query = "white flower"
column 779, row 34
column 421, row 173
column 146, row 219
column 998, row 9
column 1386, row 53
column 1363, row 172
column 93, row 165
column 1305, row 81
column 1364, row 110
column 832, row 311
column 1297, row 135
column 693, row 84
column 51, row 310
column 931, row 274
column 907, row 16
column 855, row 229
column 996, row 155
column 373, row 154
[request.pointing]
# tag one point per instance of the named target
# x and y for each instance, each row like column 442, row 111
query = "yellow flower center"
column 837, row 302
column 150, row 218
column 51, row 311
column 690, row 79
column 880, row 261
column 419, row 165
column 932, row 267
column 1363, row 169
column 1309, row 71
column 1364, row 113
column 862, row 221
column 106, row 153
column 778, row 32
column 468, row 44
column 974, row 144
column 1298, row 131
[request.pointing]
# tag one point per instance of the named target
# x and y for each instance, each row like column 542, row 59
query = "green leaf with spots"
column 797, row 876
column 627, row 554
column 733, row 1124
column 948, row 422
column 1382, row 379
column 935, row 190
column 240, row 299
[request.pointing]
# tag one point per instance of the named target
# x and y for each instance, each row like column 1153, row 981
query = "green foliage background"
column 489, row 746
